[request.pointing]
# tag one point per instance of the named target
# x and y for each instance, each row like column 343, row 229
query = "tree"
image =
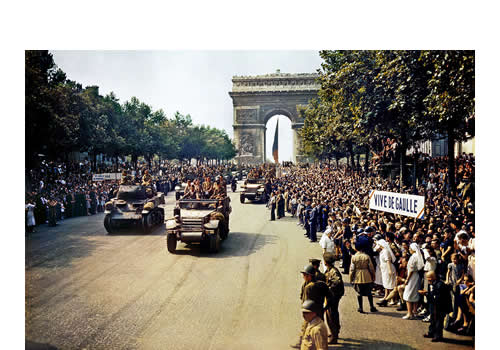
column 451, row 98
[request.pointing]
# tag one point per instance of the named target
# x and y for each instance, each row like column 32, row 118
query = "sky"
column 191, row 82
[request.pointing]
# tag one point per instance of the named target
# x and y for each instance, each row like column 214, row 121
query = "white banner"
column 398, row 203
column 106, row 176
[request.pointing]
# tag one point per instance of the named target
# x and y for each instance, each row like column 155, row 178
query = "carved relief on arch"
column 246, row 115
column 247, row 147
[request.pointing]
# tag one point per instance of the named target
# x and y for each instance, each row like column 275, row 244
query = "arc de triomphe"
column 258, row 98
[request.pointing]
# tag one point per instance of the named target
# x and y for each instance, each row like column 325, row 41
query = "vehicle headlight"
column 177, row 188
column 171, row 224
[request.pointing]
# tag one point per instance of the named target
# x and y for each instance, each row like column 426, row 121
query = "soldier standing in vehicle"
column 146, row 178
column 336, row 285
column 126, row 179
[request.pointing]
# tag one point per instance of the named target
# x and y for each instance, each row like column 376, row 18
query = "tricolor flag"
column 275, row 143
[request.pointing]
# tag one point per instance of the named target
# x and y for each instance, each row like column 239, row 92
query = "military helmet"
column 309, row 269
column 310, row 306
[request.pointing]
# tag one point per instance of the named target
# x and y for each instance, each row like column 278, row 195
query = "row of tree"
column 409, row 96
column 63, row 117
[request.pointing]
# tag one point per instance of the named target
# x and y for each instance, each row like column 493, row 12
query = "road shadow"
column 58, row 255
column 31, row 345
column 136, row 230
column 245, row 244
column 358, row 344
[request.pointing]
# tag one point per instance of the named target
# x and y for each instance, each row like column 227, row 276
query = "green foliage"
column 366, row 96
column 62, row 117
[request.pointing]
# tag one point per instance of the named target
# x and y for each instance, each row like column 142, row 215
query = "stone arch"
column 278, row 111
column 256, row 99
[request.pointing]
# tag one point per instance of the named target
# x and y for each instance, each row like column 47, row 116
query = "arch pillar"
column 297, row 143
column 250, row 143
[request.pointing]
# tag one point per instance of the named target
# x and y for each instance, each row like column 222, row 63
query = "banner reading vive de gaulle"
column 398, row 203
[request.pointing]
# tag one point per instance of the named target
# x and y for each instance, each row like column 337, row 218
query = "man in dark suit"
column 438, row 296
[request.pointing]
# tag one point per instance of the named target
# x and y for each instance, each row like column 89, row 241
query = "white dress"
column 378, row 273
column 411, row 291
column 388, row 281
column 31, row 214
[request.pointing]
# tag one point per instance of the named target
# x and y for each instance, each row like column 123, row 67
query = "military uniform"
column 315, row 336
column 147, row 179
column 126, row 179
column 307, row 213
column 336, row 285
column 313, row 221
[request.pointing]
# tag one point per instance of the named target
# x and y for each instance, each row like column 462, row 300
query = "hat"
column 309, row 269
column 362, row 243
column 369, row 229
column 311, row 306
column 314, row 261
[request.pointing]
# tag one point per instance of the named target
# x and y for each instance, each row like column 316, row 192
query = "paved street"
column 89, row 290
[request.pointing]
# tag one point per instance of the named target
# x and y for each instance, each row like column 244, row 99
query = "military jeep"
column 254, row 189
column 199, row 220
column 134, row 205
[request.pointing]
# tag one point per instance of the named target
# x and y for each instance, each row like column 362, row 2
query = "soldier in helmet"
column 317, row 291
column 316, row 333
column 336, row 285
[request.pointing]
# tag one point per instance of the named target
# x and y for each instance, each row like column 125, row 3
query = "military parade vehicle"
column 134, row 205
column 253, row 189
column 204, row 221
column 179, row 190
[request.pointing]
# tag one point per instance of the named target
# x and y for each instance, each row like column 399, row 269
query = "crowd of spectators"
column 57, row 191
column 404, row 251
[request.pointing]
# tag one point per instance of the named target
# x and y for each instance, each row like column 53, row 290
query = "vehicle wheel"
column 205, row 244
column 147, row 223
column 242, row 199
column 225, row 231
column 171, row 243
column 107, row 223
column 161, row 216
column 214, row 242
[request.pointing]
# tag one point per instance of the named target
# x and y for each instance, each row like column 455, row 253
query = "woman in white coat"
column 412, row 282
column 30, row 216
column 387, row 269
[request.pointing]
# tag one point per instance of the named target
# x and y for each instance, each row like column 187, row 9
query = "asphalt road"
column 89, row 290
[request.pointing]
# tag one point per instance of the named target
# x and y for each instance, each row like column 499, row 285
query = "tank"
column 134, row 205
column 204, row 221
